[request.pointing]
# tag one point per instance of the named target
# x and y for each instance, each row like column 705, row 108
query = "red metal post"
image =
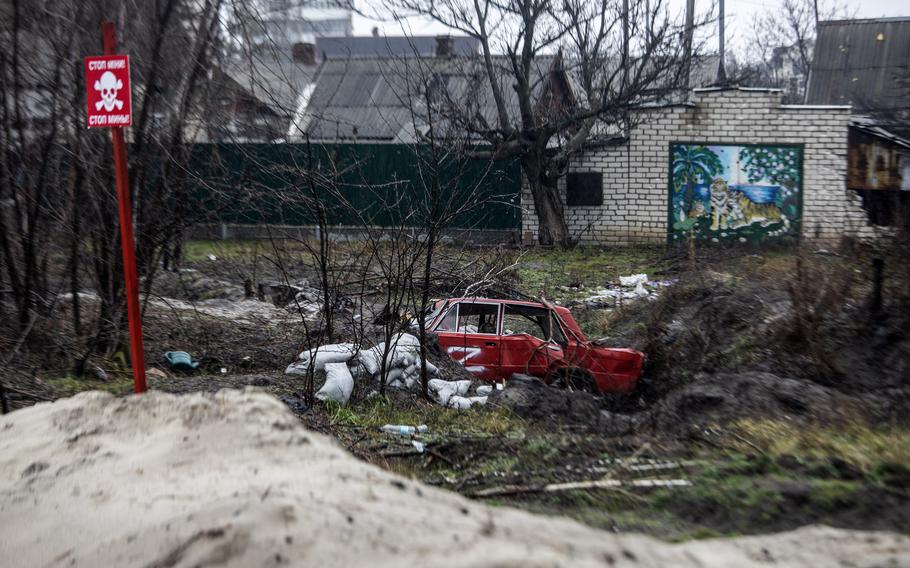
column 126, row 234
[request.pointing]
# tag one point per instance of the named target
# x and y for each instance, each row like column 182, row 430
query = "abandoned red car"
column 495, row 338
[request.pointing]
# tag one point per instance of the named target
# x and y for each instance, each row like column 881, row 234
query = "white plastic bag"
column 633, row 280
column 339, row 384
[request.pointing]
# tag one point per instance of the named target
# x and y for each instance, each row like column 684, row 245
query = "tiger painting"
column 731, row 209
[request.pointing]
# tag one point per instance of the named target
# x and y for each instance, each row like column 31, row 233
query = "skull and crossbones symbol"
column 108, row 86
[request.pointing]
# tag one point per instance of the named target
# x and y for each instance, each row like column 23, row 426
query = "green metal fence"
column 377, row 184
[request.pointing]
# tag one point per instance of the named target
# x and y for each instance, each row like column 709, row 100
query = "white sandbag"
column 391, row 376
column 319, row 356
column 446, row 389
column 458, row 402
column 403, row 347
column 371, row 358
column 484, row 390
column 339, row 384
column 462, row 403
column 404, row 351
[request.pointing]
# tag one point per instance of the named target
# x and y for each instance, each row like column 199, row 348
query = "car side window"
column 531, row 320
column 478, row 318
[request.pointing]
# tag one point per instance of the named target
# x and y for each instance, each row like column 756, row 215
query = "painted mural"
column 724, row 192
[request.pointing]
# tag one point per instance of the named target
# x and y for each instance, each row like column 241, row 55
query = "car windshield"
column 430, row 314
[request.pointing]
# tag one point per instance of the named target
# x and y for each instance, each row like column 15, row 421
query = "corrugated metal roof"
column 370, row 98
column 864, row 63
column 273, row 77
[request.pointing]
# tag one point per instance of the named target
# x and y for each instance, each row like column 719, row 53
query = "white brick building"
column 636, row 205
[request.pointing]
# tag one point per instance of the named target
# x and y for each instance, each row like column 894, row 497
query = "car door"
column 528, row 343
column 469, row 333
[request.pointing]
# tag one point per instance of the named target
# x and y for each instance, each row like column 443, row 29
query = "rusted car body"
column 495, row 338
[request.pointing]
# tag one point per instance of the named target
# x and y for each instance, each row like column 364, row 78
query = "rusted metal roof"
column 863, row 63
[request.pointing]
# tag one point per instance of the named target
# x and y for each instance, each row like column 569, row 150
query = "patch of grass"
column 68, row 385
column 229, row 249
column 541, row 270
column 831, row 494
column 861, row 446
column 378, row 411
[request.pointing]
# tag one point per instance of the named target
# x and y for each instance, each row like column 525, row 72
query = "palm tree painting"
column 693, row 165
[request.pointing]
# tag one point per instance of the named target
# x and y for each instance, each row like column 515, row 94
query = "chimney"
column 375, row 31
column 445, row 46
column 304, row 53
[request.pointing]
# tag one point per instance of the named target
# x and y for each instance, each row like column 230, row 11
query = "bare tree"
column 783, row 41
column 548, row 72
column 55, row 176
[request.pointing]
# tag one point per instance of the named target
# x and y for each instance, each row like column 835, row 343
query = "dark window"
column 584, row 189
column 538, row 322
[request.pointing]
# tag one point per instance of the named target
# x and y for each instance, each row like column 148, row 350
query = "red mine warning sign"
column 107, row 91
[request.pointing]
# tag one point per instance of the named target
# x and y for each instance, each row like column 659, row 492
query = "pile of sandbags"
column 343, row 362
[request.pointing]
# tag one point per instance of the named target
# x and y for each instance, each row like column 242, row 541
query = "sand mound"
column 232, row 478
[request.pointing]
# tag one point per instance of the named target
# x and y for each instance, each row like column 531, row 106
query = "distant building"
column 287, row 22
column 788, row 71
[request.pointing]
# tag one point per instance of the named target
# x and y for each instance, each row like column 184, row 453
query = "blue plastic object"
column 181, row 361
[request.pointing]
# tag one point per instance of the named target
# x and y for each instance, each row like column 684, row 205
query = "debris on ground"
column 633, row 287
column 404, row 430
column 211, row 480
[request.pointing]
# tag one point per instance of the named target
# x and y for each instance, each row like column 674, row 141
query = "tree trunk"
column 551, row 219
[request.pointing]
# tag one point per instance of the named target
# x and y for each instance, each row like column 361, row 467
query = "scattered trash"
column 339, row 384
column 572, row 485
column 224, row 370
column 156, row 373
column 610, row 296
column 212, row 257
column 295, row 404
column 99, row 373
column 419, row 446
column 181, row 361
column 484, row 390
column 403, row 430
column 633, row 280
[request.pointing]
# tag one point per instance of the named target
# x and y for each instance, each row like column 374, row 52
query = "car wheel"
column 575, row 380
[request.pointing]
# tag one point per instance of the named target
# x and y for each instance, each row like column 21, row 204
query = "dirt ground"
column 233, row 479
column 773, row 397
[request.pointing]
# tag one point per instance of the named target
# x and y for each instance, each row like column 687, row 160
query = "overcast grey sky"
column 739, row 15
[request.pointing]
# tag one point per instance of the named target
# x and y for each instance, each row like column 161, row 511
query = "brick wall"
column 635, row 174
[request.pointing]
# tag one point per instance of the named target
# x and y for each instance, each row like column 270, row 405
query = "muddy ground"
column 773, row 395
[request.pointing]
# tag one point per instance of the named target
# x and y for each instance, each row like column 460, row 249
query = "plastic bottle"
column 402, row 430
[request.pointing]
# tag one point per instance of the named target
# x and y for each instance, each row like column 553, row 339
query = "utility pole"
column 721, row 69
column 687, row 42
column 625, row 42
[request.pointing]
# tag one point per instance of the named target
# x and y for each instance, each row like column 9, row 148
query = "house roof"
column 378, row 98
column 864, row 63
column 272, row 77
column 390, row 46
